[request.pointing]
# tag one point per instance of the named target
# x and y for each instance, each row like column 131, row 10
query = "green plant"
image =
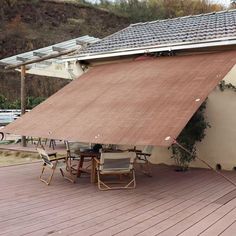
column 3, row 102
column 193, row 132
column 223, row 85
column 31, row 102
column 15, row 104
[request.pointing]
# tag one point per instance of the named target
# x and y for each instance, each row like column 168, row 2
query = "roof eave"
column 150, row 49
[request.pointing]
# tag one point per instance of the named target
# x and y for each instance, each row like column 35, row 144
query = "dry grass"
column 15, row 157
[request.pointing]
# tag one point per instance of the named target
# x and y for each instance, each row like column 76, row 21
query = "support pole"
column 23, row 99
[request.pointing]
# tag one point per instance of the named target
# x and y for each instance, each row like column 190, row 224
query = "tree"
column 10, row 3
column 146, row 10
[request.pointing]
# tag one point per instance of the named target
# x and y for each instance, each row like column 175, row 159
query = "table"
column 92, row 155
column 80, row 168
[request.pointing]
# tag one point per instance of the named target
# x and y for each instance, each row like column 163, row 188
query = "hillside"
column 27, row 25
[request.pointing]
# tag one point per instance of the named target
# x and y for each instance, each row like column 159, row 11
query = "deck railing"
column 7, row 116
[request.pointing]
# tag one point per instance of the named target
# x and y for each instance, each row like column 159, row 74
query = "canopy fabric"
column 141, row 102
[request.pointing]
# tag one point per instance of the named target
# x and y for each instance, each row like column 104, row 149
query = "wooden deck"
column 197, row 202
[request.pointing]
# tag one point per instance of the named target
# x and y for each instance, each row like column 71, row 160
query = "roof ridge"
column 182, row 17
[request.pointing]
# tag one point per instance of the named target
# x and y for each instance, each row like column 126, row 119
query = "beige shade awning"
column 140, row 102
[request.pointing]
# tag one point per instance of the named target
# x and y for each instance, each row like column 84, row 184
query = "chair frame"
column 81, row 158
column 145, row 167
column 142, row 156
column 102, row 185
column 51, row 164
column 70, row 157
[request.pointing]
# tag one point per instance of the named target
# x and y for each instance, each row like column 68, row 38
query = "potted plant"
column 193, row 132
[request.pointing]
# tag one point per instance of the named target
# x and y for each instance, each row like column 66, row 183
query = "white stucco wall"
column 65, row 71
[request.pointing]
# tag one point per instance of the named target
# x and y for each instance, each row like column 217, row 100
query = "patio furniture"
column 29, row 139
column 88, row 155
column 52, row 163
column 116, row 164
column 142, row 159
column 80, row 152
column 71, row 148
column 52, row 143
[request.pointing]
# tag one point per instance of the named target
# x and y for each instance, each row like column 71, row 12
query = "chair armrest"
column 138, row 151
column 134, row 150
column 143, row 154
column 52, row 154
column 58, row 158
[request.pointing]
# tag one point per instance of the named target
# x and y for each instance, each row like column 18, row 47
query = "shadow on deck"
column 170, row 203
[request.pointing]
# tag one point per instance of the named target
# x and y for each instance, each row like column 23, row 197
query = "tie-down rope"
column 191, row 154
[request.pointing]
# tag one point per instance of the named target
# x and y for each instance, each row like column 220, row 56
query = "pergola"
column 48, row 61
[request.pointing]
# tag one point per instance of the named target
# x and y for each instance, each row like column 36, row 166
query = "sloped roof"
column 183, row 30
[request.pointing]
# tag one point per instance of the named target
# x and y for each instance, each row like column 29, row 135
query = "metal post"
column 23, row 99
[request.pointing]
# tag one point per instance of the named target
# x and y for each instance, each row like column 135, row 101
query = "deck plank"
column 187, row 212
column 117, row 220
column 151, row 225
column 210, row 220
column 169, row 203
column 230, row 230
column 222, row 224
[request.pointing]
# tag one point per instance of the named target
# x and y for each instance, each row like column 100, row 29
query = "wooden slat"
column 169, row 203
column 208, row 221
column 144, row 223
column 230, row 230
column 225, row 221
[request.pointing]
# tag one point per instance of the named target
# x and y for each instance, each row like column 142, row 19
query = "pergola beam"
column 22, row 59
column 80, row 42
column 39, row 54
column 58, row 49
column 43, row 58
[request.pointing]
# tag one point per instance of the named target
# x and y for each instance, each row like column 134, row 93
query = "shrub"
column 31, row 103
column 193, row 132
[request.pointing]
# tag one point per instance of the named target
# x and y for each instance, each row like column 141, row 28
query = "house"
column 142, row 85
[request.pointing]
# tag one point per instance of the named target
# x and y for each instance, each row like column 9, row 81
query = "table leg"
column 80, row 165
column 93, row 171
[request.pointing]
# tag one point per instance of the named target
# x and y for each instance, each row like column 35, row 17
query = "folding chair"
column 72, row 150
column 117, row 164
column 75, row 153
column 52, row 143
column 142, row 159
column 52, row 164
